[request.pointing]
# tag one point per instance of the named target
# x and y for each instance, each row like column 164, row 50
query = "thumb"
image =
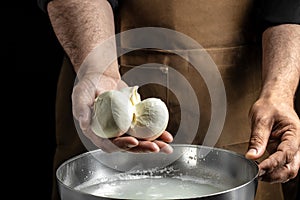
column 84, row 118
column 81, row 108
column 260, row 134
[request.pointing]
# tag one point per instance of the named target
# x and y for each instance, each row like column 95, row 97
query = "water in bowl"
column 150, row 187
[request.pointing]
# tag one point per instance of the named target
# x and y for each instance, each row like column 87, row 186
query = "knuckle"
column 256, row 106
column 292, row 174
column 281, row 176
column 257, row 139
column 255, row 111
column 263, row 121
column 274, row 163
column 292, row 171
column 275, row 177
column 290, row 156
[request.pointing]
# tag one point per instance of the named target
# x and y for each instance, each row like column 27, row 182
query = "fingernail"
column 131, row 145
column 167, row 149
column 252, row 151
column 261, row 172
column 81, row 117
column 82, row 120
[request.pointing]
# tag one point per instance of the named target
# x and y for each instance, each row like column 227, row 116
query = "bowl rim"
column 233, row 153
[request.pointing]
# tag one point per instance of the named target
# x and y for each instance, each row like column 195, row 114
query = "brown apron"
column 226, row 29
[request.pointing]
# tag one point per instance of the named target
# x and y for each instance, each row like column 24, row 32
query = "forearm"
column 275, row 125
column 80, row 26
column 281, row 62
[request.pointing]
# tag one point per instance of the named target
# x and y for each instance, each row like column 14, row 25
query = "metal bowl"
column 190, row 172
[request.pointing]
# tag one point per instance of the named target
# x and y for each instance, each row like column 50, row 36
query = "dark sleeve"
column 43, row 4
column 276, row 12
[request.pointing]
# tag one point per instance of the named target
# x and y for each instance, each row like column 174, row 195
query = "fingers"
column 128, row 143
column 83, row 96
column 82, row 100
column 284, row 163
column 166, row 137
column 260, row 133
column 152, row 147
column 277, row 171
column 140, row 146
column 125, row 143
column 164, row 147
column 102, row 143
column 85, row 92
column 145, row 147
column 283, row 146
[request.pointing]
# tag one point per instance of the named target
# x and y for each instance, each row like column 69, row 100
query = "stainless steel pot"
column 98, row 175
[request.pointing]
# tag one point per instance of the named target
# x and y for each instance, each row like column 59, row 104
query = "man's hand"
column 81, row 28
column 275, row 128
column 274, row 122
column 84, row 94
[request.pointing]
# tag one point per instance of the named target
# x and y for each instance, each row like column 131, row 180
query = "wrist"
column 277, row 94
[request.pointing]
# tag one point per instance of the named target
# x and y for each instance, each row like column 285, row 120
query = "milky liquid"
column 151, row 188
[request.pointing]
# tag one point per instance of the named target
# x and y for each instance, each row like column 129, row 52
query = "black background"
column 31, row 59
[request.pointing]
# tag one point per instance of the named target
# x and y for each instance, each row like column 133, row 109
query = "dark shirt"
column 269, row 12
column 276, row 12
